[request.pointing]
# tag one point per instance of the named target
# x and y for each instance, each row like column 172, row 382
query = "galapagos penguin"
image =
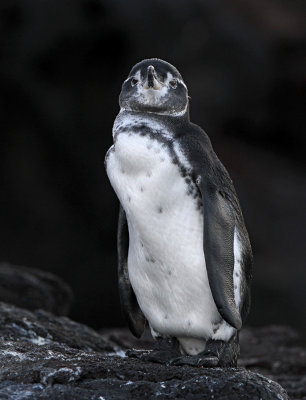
column 184, row 255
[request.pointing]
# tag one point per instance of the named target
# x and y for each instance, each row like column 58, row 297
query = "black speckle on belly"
column 215, row 328
column 200, row 205
column 189, row 190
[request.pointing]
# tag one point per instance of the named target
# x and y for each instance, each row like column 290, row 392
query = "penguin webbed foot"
column 210, row 357
column 165, row 350
column 216, row 354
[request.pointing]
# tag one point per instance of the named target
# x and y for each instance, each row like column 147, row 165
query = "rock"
column 124, row 379
column 32, row 289
column 273, row 351
column 47, row 357
column 46, row 373
column 43, row 330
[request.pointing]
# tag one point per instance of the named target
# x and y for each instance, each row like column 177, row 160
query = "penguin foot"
column 216, row 354
column 164, row 351
column 196, row 361
column 140, row 354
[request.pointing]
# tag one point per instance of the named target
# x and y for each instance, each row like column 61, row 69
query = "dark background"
column 61, row 68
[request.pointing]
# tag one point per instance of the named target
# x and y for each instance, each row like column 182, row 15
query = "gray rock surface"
column 43, row 330
column 48, row 357
column 33, row 288
column 273, row 351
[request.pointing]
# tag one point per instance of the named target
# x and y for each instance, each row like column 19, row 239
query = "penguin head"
column 154, row 86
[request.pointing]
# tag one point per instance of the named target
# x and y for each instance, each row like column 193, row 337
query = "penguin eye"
column 134, row 81
column 173, row 83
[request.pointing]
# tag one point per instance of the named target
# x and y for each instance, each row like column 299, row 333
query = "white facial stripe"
column 182, row 83
column 169, row 78
column 138, row 75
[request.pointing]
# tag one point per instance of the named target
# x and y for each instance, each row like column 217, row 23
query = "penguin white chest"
column 166, row 261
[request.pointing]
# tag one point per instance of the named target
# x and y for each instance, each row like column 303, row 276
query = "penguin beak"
column 151, row 81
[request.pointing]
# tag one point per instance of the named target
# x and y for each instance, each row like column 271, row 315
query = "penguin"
column 184, row 255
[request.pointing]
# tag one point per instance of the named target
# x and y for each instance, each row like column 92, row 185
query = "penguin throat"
column 168, row 113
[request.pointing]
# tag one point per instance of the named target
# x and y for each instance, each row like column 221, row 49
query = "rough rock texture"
column 107, row 378
column 48, row 357
column 32, row 288
column 44, row 330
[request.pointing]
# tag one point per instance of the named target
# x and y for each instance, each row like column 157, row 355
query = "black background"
column 61, row 68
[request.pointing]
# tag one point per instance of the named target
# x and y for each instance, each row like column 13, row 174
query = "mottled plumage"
column 184, row 253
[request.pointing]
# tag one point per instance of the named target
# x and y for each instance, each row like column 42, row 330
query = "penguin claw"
column 159, row 357
column 140, row 354
column 194, row 361
column 209, row 362
column 179, row 361
column 164, row 350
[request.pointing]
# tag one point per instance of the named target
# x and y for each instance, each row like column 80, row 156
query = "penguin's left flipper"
column 132, row 312
column 219, row 228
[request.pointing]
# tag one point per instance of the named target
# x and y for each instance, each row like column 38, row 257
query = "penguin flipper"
column 131, row 310
column 219, row 227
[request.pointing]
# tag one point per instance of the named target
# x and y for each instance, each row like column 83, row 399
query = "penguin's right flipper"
column 131, row 310
column 219, row 225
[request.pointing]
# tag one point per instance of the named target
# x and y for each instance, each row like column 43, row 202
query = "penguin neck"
column 166, row 126
column 175, row 118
